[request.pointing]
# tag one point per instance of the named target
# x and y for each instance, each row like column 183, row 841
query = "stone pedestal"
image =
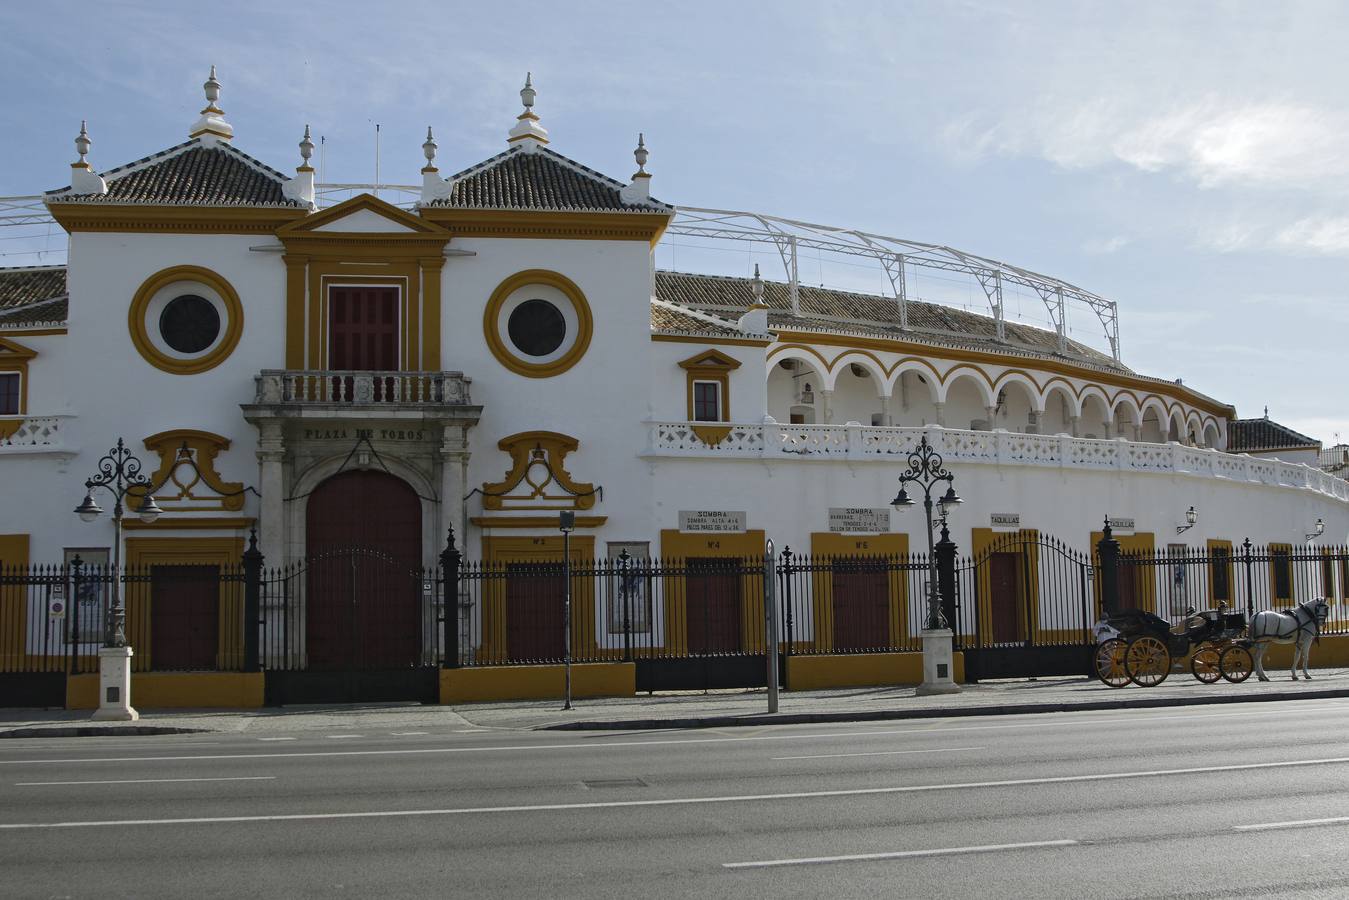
column 114, row 685
column 938, row 664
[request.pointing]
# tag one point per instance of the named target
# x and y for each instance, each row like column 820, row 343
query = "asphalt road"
column 1211, row 802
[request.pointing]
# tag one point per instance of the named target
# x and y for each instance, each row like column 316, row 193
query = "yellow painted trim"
column 536, row 224
column 430, row 325
column 534, row 521
column 135, row 218
column 14, row 550
column 33, row 332
column 176, row 690
column 310, row 225
column 1142, row 542
column 497, row 552
column 14, row 360
column 140, row 337
column 709, row 339
column 205, row 447
column 505, row 355
column 985, row 541
column 890, row 546
column 711, row 435
column 500, row 683
column 143, row 552
column 526, row 448
column 297, row 271
column 814, row 673
column 714, row 366
column 190, row 523
column 679, row 546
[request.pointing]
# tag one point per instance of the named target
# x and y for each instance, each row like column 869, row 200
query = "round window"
column 189, row 323
column 536, row 327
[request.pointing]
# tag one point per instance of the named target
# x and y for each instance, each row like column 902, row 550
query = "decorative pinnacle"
column 756, row 286
column 527, row 93
column 82, row 144
column 212, row 88
column 640, row 154
column 306, row 147
column 429, row 148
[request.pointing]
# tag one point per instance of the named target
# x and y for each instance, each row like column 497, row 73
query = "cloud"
column 1105, row 246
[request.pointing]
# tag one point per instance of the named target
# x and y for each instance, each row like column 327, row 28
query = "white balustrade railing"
column 856, row 442
column 34, row 434
column 311, row 386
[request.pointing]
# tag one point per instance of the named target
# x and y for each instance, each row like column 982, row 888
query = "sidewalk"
column 694, row 710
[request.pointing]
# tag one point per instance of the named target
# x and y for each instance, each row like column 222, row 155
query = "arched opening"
column 1095, row 421
column 967, row 401
column 363, row 540
column 1212, row 436
column 912, row 402
column 1016, row 408
column 795, row 391
column 1060, row 410
column 856, row 395
column 1128, row 419
column 1175, row 430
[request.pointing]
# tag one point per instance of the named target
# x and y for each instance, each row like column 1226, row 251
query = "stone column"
column 826, row 407
column 1032, row 422
column 941, row 413
column 1072, row 425
column 992, row 413
column 453, row 487
column 271, row 484
column 886, row 419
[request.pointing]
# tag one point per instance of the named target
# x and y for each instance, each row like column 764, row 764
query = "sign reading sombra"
column 711, row 520
column 859, row 519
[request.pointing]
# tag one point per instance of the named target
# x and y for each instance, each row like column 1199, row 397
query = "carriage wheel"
column 1109, row 663
column 1236, row 664
column 1206, row 664
column 1147, row 660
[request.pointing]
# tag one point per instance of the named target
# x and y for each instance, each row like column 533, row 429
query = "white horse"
column 1298, row 628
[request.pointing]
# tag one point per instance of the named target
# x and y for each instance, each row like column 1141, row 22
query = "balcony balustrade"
column 315, row 388
column 33, row 434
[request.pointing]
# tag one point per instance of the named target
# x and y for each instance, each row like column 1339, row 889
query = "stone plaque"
column 859, row 519
column 711, row 520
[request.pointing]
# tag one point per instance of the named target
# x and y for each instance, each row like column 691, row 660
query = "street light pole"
column 926, row 471
column 566, row 523
column 119, row 473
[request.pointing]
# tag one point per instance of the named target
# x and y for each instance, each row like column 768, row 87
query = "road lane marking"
column 277, row 739
column 676, row 801
column 144, row 781
column 877, row 753
column 900, row 854
column 407, row 733
column 793, row 736
column 338, row 737
column 1303, row 823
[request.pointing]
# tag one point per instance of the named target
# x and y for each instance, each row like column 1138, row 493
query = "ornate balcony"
column 30, row 435
column 861, row 443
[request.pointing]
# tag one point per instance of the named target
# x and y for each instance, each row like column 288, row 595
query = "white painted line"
column 144, row 781
column 1303, row 823
column 277, row 739
column 791, row 736
column 407, row 733
column 878, row 753
column 675, row 801
column 339, row 737
column 901, row 854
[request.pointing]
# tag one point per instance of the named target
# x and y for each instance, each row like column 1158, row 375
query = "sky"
column 1187, row 160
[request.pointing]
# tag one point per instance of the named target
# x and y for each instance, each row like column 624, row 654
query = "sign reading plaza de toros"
column 711, row 520
column 369, row 434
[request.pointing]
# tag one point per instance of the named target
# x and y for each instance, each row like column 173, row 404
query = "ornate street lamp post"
column 925, row 471
column 119, row 473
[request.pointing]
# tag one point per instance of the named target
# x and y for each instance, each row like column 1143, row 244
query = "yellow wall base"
column 810, row 673
column 537, row 682
column 176, row 690
column 1332, row 651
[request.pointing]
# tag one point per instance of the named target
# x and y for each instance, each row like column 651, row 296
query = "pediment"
column 363, row 214
column 11, row 351
column 710, row 359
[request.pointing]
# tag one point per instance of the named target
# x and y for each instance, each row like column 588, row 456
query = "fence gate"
column 1025, row 607
column 350, row 626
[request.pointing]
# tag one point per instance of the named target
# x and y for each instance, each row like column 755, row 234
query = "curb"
column 96, row 731
column 948, row 712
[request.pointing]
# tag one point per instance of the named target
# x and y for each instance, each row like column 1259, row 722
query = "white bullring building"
column 363, row 373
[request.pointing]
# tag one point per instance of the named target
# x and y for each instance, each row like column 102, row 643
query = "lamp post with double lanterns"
column 926, row 471
column 119, row 473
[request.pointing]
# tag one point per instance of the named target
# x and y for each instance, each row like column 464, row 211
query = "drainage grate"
column 615, row 783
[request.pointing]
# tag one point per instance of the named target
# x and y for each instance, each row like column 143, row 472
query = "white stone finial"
column 212, row 125
column 429, row 151
column 527, row 132
column 301, row 187
column 756, row 286
column 640, row 154
column 755, row 319
column 83, row 179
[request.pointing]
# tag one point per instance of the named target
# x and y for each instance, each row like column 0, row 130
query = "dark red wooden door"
column 363, row 328
column 712, row 605
column 1128, row 586
column 534, row 612
column 1004, row 595
column 861, row 592
column 184, row 616
column 364, row 540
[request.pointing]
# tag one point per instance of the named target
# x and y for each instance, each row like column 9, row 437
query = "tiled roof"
column 189, row 174
column 541, row 180
column 44, row 312
column 30, row 284
column 845, row 311
column 1254, row 435
column 667, row 317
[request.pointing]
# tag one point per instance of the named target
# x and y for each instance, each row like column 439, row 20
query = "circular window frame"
column 144, row 326
column 495, row 323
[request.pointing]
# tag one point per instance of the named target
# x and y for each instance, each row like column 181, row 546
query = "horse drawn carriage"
column 1139, row 647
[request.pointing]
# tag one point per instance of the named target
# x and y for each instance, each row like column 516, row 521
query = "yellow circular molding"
column 506, row 355
column 231, row 332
